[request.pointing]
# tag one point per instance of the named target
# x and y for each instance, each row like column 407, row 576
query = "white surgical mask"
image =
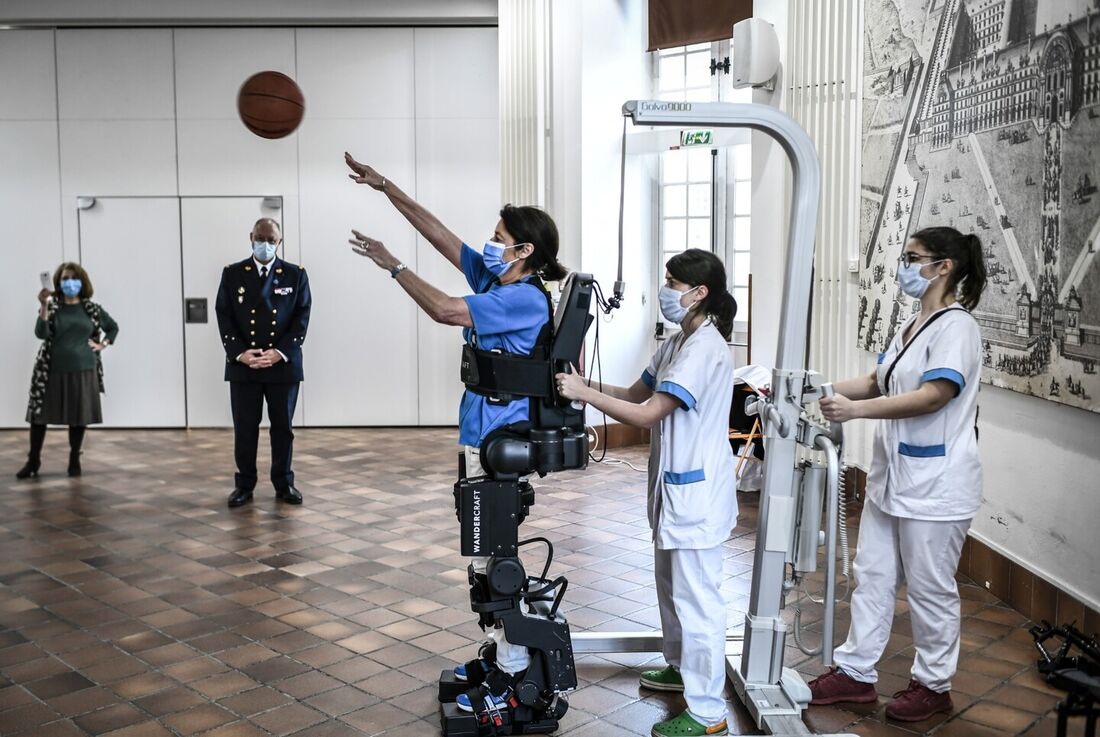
column 263, row 251
column 671, row 308
column 912, row 282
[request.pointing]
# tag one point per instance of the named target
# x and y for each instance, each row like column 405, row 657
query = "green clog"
column 686, row 725
column 665, row 679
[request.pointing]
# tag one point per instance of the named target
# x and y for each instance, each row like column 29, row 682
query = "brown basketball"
column 270, row 104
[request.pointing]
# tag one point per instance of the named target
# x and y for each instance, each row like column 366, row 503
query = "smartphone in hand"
column 46, row 281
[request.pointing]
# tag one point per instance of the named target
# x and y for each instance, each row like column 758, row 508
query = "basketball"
column 270, row 104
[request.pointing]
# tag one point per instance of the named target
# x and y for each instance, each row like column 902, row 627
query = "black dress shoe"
column 290, row 495
column 74, row 464
column 240, row 497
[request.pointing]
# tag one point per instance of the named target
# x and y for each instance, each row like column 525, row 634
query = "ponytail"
column 722, row 308
column 968, row 277
column 528, row 224
column 696, row 267
column 973, row 281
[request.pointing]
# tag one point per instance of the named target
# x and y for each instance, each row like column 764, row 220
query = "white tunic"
column 692, row 489
column 927, row 467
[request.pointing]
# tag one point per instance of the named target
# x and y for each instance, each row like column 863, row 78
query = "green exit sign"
column 696, row 138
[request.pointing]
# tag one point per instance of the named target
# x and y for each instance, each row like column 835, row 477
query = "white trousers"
column 510, row 658
column 925, row 555
column 693, row 625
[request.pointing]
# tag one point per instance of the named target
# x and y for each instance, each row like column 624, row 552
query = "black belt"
column 503, row 377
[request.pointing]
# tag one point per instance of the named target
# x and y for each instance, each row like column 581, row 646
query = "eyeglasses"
column 907, row 259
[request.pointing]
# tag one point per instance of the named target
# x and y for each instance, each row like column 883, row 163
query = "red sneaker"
column 834, row 686
column 917, row 703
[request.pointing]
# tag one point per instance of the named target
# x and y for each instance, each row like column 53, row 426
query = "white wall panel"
column 27, row 76
column 123, row 157
column 32, row 243
column 213, row 63
column 115, row 74
column 456, row 73
column 131, row 248
column 117, row 106
column 458, row 179
column 361, row 351
column 356, row 72
column 114, row 158
column 221, row 157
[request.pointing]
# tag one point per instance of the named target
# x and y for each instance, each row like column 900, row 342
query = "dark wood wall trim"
column 620, row 436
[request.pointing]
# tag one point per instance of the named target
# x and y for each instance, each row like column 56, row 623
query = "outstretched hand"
column 363, row 174
column 372, row 249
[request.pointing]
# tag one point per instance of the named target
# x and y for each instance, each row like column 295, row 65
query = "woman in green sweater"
column 68, row 373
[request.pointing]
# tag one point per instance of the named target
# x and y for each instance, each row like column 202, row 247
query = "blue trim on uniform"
column 922, row 451
column 945, row 373
column 882, row 357
column 679, row 392
column 649, row 379
column 688, row 477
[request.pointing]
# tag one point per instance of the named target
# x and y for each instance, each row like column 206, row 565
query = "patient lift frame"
column 773, row 694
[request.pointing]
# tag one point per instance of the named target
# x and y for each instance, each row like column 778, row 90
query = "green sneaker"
column 666, row 679
column 686, row 725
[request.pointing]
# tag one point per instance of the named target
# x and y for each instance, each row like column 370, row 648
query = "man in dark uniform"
column 263, row 311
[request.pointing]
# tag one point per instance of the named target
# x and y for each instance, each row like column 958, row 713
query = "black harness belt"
column 503, row 377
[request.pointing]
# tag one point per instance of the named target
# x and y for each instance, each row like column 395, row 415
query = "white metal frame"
column 773, row 694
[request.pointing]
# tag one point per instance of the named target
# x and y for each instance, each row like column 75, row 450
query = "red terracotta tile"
column 998, row 716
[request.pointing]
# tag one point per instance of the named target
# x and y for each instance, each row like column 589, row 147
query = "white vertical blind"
column 824, row 76
column 523, row 29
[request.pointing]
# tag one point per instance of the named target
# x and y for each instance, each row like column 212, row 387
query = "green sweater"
column 70, row 332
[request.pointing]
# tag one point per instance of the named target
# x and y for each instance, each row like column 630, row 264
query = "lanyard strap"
column 894, row 363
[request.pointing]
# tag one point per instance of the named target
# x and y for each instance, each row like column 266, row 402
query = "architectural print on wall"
column 985, row 115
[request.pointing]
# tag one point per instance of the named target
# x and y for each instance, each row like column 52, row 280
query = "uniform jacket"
column 272, row 314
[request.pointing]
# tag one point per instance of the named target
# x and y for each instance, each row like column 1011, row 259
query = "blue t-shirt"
column 508, row 317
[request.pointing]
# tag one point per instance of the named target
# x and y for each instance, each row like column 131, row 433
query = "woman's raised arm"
column 428, row 225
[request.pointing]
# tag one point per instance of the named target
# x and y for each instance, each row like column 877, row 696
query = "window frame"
column 730, row 173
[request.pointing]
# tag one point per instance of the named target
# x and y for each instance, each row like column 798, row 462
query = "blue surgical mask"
column 263, row 251
column 493, row 257
column 912, row 282
column 671, row 308
column 71, row 287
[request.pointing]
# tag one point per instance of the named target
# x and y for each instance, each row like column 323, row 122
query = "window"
column 687, row 217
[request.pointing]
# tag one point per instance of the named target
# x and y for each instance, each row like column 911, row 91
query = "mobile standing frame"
column 789, row 529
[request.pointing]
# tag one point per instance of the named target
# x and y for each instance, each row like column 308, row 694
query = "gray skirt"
column 72, row 398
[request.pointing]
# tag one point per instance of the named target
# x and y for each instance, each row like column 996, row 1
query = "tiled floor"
column 134, row 603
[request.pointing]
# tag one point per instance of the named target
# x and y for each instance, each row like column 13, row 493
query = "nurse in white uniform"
column 925, row 481
column 684, row 396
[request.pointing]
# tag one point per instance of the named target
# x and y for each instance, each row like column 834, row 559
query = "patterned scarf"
column 41, row 374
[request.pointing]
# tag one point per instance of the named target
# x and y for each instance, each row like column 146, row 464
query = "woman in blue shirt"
column 508, row 310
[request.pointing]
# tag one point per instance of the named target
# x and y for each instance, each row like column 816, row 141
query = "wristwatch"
column 397, row 270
